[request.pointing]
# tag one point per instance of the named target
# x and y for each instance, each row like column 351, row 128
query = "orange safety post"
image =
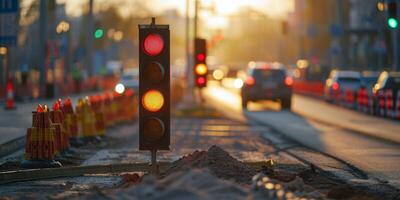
column 39, row 148
column 10, row 95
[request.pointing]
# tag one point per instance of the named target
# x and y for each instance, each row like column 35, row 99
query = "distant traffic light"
column 98, row 33
column 392, row 20
column 380, row 6
column 154, row 87
column 200, row 67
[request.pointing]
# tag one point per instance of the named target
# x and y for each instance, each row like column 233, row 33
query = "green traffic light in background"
column 393, row 23
column 99, row 33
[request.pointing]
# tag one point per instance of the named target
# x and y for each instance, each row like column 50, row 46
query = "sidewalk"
column 13, row 123
column 348, row 119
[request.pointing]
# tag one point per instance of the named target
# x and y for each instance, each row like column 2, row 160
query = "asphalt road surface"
column 323, row 127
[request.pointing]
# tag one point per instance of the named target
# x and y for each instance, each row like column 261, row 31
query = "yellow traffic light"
column 201, row 69
column 153, row 100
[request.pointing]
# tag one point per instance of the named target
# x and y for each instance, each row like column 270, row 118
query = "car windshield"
column 370, row 80
column 349, row 80
column 268, row 74
column 396, row 80
column 128, row 77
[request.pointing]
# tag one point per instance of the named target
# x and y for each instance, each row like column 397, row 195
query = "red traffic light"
column 201, row 57
column 153, row 44
column 201, row 80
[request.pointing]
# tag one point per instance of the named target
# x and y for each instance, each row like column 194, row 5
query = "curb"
column 47, row 173
column 12, row 146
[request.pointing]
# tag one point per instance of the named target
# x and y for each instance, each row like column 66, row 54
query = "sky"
column 273, row 8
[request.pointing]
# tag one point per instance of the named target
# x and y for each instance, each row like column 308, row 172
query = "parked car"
column 386, row 81
column 129, row 79
column 267, row 82
column 339, row 81
column 369, row 79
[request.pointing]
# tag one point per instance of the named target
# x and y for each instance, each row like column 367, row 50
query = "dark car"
column 368, row 79
column 265, row 82
column 386, row 81
column 339, row 81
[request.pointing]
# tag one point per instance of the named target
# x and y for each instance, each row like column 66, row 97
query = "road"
column 307, row 124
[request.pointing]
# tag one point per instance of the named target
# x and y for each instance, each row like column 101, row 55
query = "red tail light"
column 335, row 86
column 250, row 80
column 289, row 81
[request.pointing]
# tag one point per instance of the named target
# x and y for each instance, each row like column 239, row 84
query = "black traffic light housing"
column 200, row 67
column 154, row 87
column 392, row 20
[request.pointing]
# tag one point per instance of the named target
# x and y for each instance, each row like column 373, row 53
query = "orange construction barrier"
column 108, row 109
column 71, row 123
column 389, row 103
column 86, row 119
column 97, row 107
column 57, row 119
column 40, row 141
column 131, row 104
column 381, row 103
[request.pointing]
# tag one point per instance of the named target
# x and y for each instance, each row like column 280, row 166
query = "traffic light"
column 200, row 67
column 392, row 21
column 98, row 33
column 154, row 87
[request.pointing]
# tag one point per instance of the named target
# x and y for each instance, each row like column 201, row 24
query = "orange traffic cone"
column 57, row 121
column 131, row 104
column 108, row 110
column 96, row 104
column 71, row 123
column 39, row 147
column 10, row 95
column 86, row 120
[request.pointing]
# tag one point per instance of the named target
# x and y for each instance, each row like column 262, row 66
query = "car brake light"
column 289, row 81
column 335, row 86
column 250, row 80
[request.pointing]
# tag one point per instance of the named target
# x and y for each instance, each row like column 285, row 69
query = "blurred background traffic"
column 331, row 48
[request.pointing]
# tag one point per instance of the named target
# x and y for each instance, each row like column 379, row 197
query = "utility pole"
column 196, row 9
column 89, row 37
column 42, row 46
column 189, row 67
column 343, row 43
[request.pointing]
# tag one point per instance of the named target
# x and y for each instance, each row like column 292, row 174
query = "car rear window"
column 396, row 80
column 127, row 77
column 349, row 79
column 269, row 74
column 370, row 80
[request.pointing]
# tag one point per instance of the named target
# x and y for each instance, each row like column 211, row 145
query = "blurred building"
column 346, row 34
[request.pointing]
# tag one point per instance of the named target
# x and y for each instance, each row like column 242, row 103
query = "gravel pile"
column 219, row 162
column 192, row 184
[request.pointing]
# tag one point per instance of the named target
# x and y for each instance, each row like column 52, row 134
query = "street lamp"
column 3, row 50
column 62, row 27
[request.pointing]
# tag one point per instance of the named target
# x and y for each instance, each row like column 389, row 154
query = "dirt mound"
column 218, row 161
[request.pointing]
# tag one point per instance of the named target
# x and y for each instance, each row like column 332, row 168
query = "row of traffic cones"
column 54, row 132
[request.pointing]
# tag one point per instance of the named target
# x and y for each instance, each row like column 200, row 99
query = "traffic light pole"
column 395, row 39
column 154, row 165
column 89, row 42
column 189, row 68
